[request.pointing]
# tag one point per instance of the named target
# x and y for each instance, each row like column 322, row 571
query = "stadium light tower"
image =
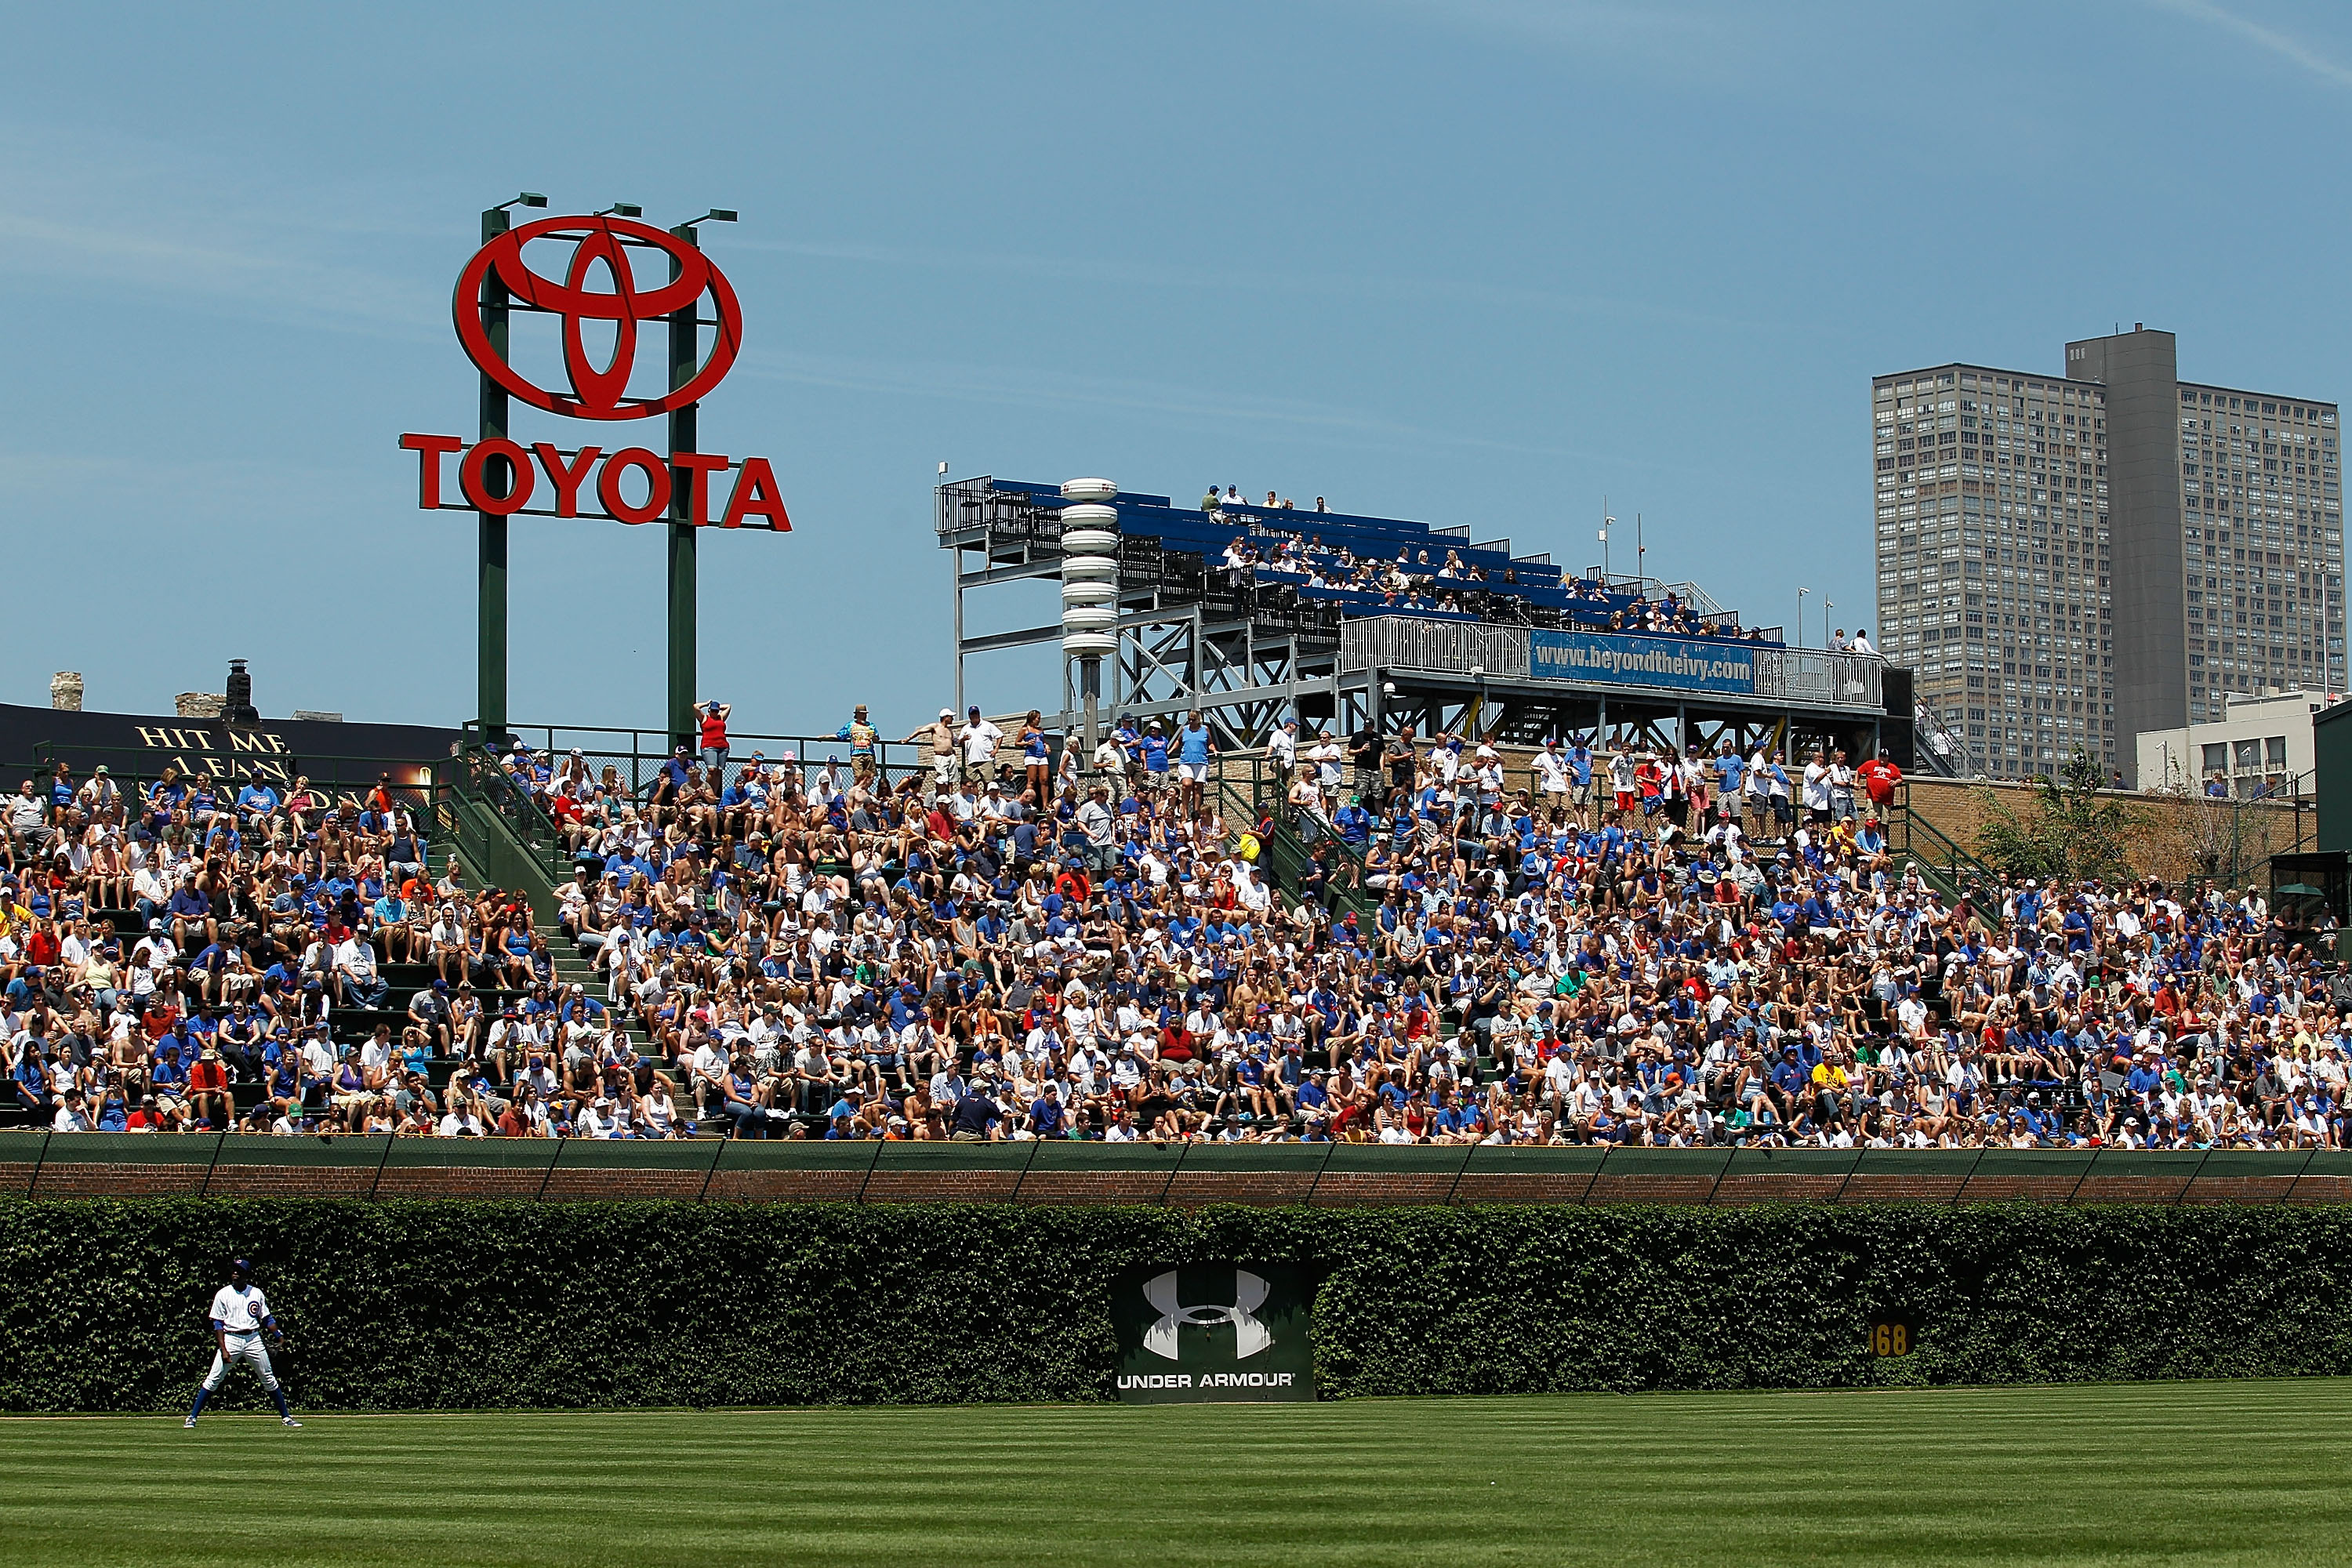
column 1089, row 590
column 490, row 528
column 685, row 341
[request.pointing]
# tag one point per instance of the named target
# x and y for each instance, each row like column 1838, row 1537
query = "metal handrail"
column 645, row 751
column 1284, row 852
column 1946, row 860
column 483, row 784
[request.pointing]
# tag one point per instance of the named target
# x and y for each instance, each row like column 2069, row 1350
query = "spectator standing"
column 1282, row 751
column 1365, row 749
column 862, row 735
column 714, row 733
column 1879, row 778
column 979, row 738
column 1194, row 746
column 944, row 750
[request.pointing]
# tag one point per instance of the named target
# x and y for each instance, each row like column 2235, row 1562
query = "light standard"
column 490, row 528
column 685, row 358
column 1801, row 616
column 1605, row 520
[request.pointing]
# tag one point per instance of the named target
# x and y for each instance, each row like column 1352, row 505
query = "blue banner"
column 1680, row 664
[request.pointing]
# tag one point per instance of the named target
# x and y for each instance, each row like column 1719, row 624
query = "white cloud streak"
column 158, row 223
column 1148, row 275
column 1296, row 419
column 2286, row 46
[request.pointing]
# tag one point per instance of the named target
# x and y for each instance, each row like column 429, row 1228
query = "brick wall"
column 2167, row 834
column 32, row 1165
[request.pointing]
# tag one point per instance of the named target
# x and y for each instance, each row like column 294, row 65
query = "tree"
column 2067, row 833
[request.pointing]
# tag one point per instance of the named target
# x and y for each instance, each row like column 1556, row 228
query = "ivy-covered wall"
column 449, row 1304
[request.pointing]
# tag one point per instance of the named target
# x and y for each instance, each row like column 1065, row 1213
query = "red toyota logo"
column 597, row 393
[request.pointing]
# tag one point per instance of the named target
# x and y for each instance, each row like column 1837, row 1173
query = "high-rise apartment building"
column 2113, row 550
column 1994, row 559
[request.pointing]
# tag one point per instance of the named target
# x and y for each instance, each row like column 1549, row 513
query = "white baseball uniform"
column 240, row 1312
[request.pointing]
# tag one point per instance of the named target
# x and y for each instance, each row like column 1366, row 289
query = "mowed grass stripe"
column 2151, row 1473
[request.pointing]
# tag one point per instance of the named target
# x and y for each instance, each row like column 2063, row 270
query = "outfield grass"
column 2246, row 1472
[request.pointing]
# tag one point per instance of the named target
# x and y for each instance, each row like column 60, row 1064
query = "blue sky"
column 1478, row 263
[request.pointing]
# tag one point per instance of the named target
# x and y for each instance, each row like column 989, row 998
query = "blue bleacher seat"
column 1540, row 583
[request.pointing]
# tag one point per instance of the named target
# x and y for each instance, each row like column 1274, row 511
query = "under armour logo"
column 1250, row 1336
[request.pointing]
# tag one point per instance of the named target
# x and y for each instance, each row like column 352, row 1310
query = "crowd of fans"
column 1638, row 946
column 1450, row 585
column 169, row 945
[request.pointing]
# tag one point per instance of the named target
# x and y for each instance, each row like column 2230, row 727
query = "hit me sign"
column 1200, row 1332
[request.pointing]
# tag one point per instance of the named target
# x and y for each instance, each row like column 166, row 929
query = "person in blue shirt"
column 1194, row 747
column 1151, row 752
column 1045, row 1118
column 1729, row 773
column 190, row 909
column 256, row 800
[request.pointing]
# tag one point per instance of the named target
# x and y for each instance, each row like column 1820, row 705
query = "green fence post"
column 2181, row 1196
column 1015, row 1196
column 2088, row 1166
column 1967, row 1179
column 711, row 1174
column 2308, row 1156
column 1170, row 1185
column 1330, row 1145
column 1456, row 1184
column 1839, row 1196
column 549, row 1175
column 381, row 1161
column 869, row 1171
column 1585, row 1197
column 1717, row 1185
column 218, row 1138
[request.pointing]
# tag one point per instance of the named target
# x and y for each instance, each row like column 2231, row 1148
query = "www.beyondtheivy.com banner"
column 1680, row 664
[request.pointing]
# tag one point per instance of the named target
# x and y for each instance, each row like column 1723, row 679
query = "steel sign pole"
column 684, row 504
column 490, row 578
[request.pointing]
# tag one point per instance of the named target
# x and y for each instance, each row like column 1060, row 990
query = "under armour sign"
column 1200, row 1332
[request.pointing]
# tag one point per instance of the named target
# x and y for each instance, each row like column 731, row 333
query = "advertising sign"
column 633, row 484
column 1198, row 1333
column 1677, row 664
column 134, row 747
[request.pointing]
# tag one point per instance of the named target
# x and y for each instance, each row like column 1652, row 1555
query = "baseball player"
column 239, row 1317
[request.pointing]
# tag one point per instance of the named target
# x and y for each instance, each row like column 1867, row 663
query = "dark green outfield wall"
column 456, row 1304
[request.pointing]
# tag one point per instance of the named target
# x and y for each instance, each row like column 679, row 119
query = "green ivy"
column 452, row 1304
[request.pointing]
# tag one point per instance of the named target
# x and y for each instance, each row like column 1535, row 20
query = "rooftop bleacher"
column 1362, row 566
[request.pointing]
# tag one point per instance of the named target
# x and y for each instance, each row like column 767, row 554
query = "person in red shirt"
column 1879, row 776
column 209, row 1091
column 571, row 822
